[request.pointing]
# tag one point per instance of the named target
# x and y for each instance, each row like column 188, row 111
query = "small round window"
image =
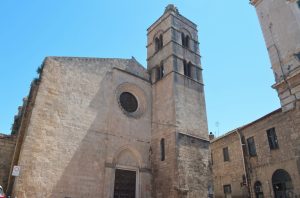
column 128, row 102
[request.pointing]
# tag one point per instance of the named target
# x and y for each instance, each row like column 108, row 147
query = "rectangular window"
column 251, row 146
column 160, row 72
column 272, row 138
column 227, row 189
column 187, row 67
column 298, row 2
column 225, row 154
column 162, row 149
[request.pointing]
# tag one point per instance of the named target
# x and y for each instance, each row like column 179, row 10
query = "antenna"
column 217, row 125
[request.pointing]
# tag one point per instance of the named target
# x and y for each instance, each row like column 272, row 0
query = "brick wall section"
column 7, row 146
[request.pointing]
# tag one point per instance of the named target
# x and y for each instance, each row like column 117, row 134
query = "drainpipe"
column 244, row 163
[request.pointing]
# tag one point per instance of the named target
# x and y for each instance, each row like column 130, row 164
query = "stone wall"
column 79, row 135
column 266, row 162
column 7, row 147
column 228, row 172
column 193, row 166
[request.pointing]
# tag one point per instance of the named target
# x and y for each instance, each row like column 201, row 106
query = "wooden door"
column 125, row 182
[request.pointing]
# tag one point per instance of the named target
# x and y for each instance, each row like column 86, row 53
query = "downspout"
column 244, row 163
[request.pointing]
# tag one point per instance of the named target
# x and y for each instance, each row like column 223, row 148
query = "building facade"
column 262, row 158
column 97, row 127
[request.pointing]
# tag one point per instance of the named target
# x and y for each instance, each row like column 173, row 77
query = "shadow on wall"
column 84, row 174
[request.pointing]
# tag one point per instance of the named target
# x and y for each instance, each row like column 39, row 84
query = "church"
column 101, row 127
column 109, row 128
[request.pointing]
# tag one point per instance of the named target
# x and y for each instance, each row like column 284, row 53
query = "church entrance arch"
column 282, row 184
column 127, row 162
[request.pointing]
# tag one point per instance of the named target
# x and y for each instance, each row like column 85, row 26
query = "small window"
column 162, row 149
column 272, row 138
column 182, row 39
column 298, row 2
column 185, row 40
column 258, row 189
column 227, row 189
column 251, row 146
column 156, row 44
column 159, row 43
column 160, row 72
column 187, row 67
column 225, row 154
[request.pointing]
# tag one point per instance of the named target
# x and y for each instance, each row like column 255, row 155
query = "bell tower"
column 179, row 125
column 280, row 23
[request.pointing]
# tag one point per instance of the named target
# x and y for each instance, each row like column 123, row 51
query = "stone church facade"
column 262, row 158
column 98, row 127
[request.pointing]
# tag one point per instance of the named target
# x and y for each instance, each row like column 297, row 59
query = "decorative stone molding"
column 137, row 156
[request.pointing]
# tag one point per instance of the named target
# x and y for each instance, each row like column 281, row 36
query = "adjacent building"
column 262, row 158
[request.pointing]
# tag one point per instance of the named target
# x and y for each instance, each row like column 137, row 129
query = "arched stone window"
column 160, row 71
column 282, row 183
column 187, row 68
column 161, row 41
column 185, row 40
column 158, row 43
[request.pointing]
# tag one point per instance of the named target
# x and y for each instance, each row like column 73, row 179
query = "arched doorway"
column 127, row 162
column 258, row 190
column 282, row 184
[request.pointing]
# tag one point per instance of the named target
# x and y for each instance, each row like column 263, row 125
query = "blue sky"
column 237, row 72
